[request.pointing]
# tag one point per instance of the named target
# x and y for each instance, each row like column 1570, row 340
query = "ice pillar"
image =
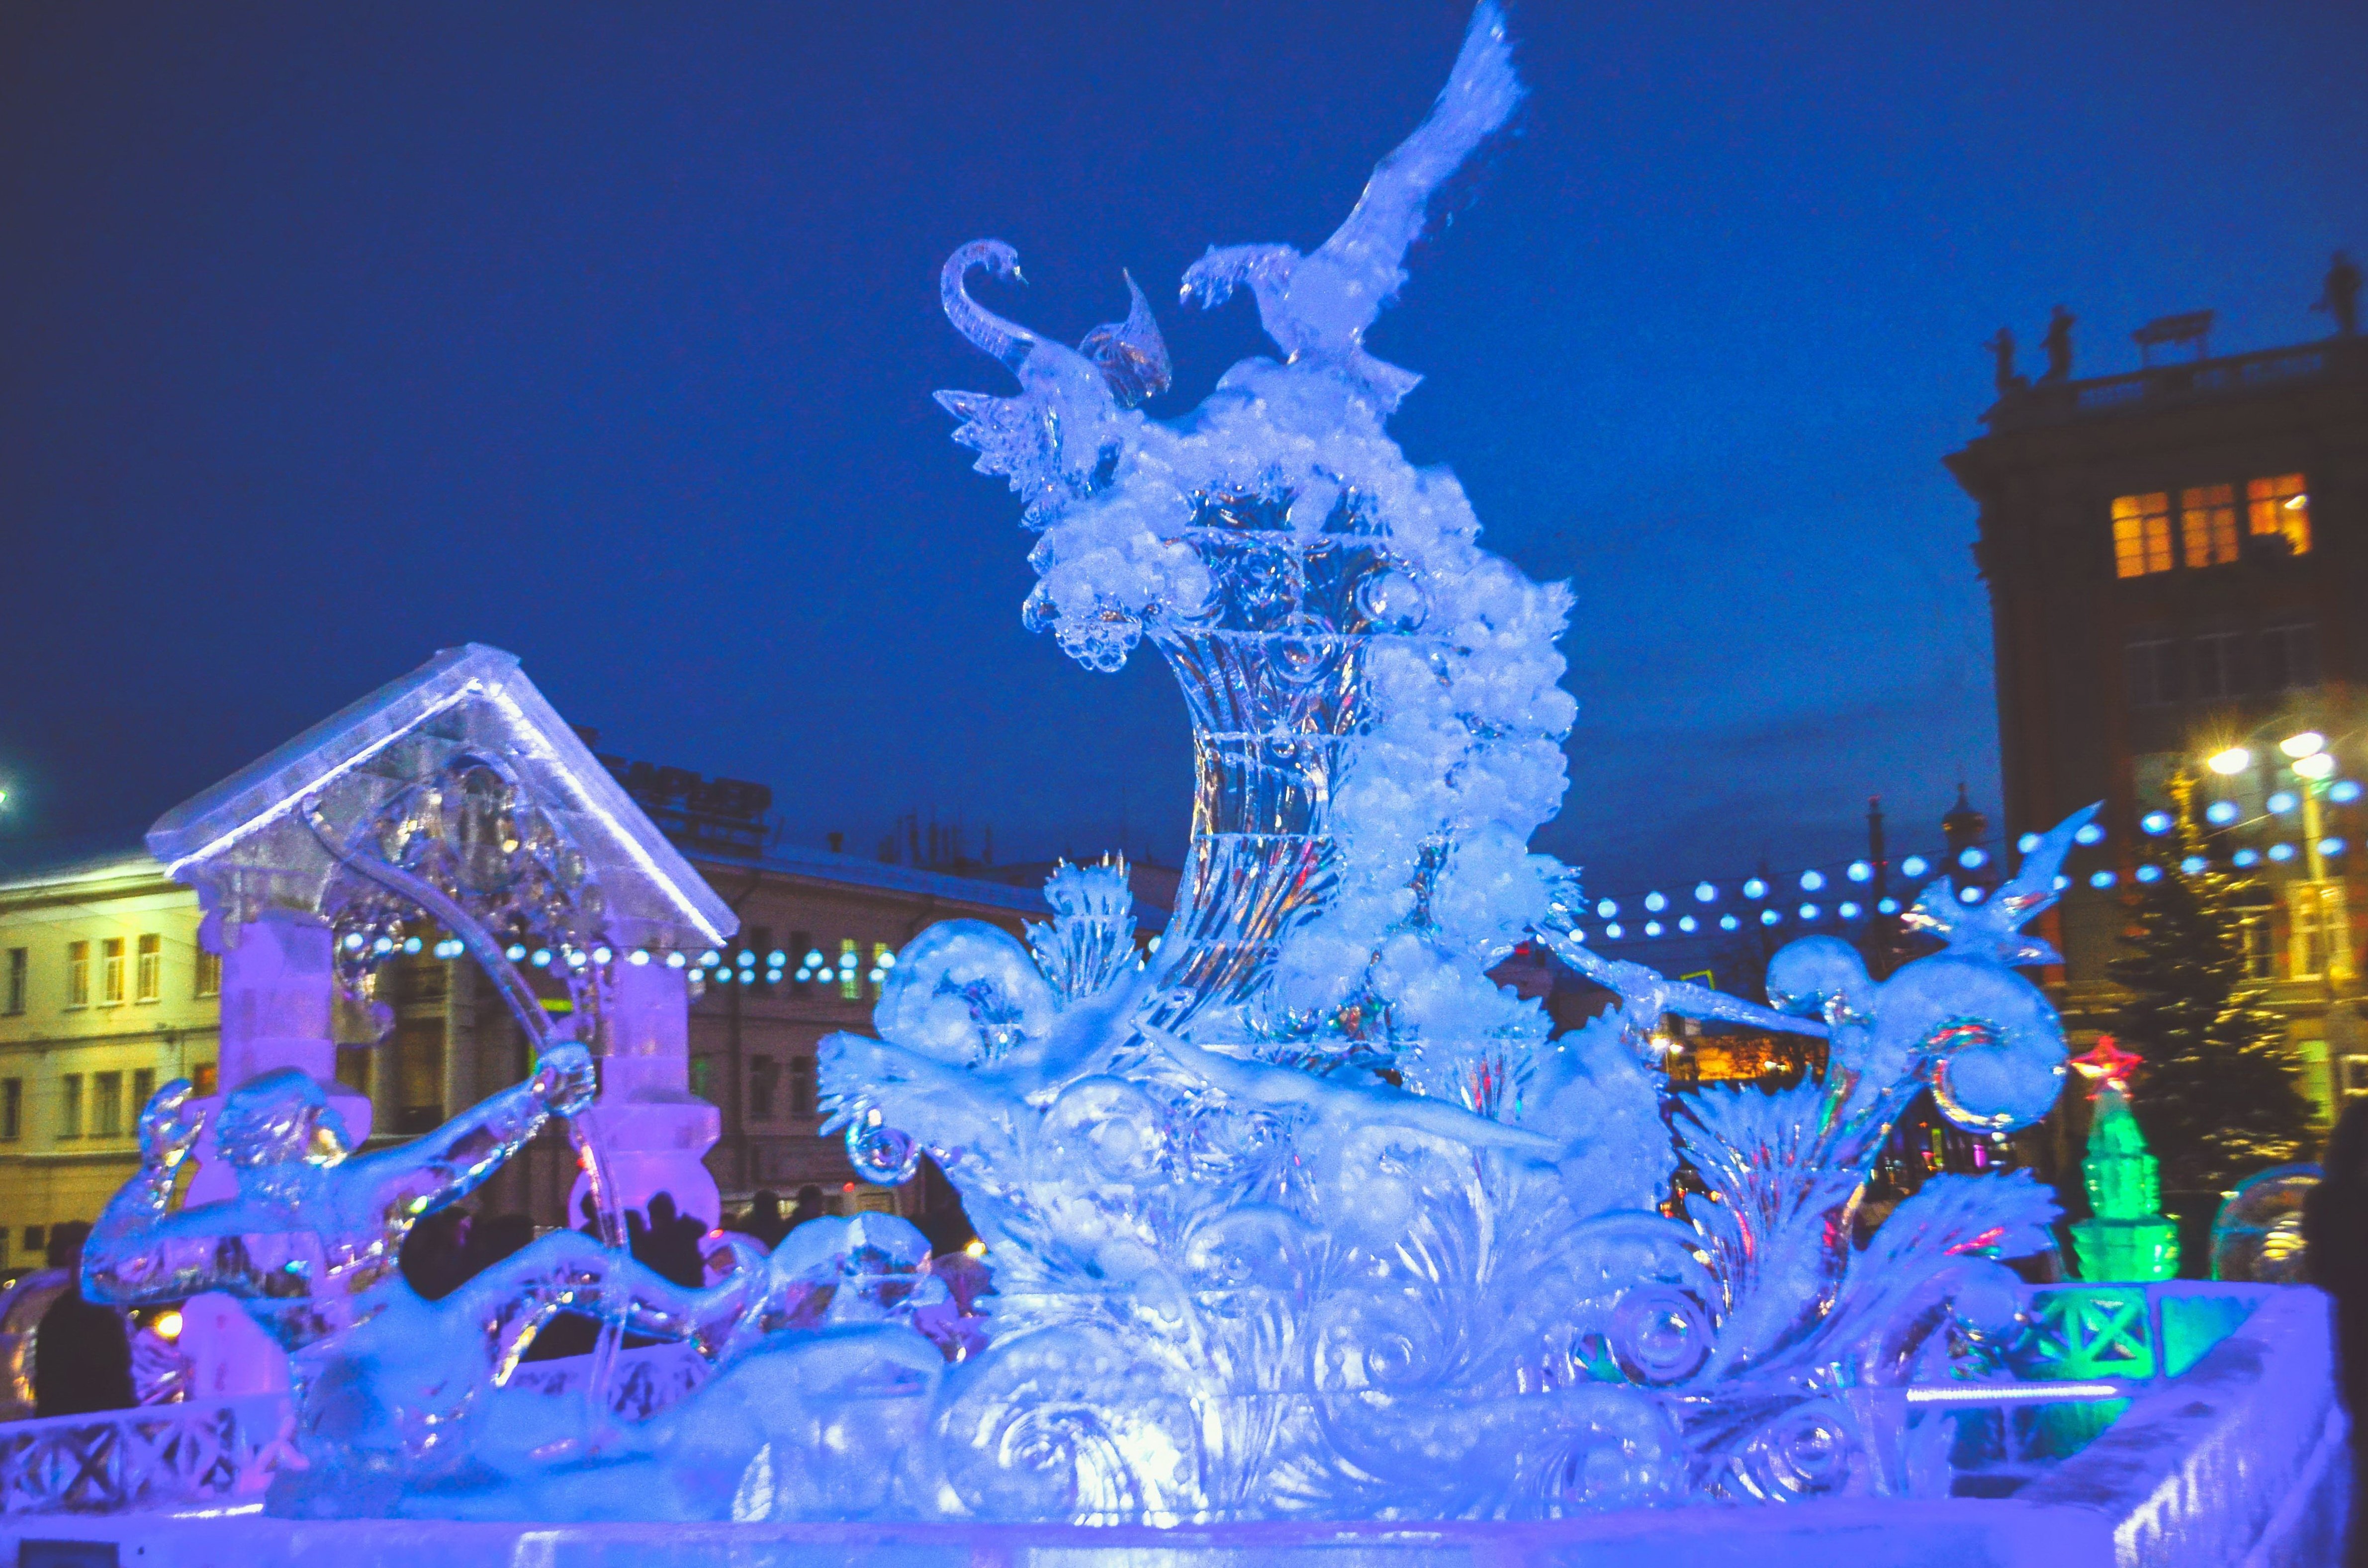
column 653, row 1132
column 279, row 987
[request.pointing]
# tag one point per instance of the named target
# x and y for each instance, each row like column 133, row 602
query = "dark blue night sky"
column 332, row 335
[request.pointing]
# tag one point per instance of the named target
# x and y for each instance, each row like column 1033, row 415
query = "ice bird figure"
column 1056, row 441
column 1993, row 929
column 1646, row 996
column 1317, row 307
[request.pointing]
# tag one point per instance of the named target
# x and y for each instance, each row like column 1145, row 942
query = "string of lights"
column 1843, row 893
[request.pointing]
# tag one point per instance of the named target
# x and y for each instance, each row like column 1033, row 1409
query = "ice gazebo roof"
column 246, row 844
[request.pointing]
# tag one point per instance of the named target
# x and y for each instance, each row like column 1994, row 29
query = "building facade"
column 2176, row 560
column 103, row 993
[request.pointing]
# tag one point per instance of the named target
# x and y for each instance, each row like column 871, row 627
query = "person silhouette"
column 386, row 1383
column 2006, row 378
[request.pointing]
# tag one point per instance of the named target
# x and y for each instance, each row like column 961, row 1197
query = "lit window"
column 148, row 979
column 2311, row 930
column 111, row 972
column 12, row 1109
column 203, row 1078
column 2281, row 505
column 850, row 968
column 69, row 1106
column 209, row 973
column 20, row 959
column 2141, row 534
column 702, row 1077
column 2289, row 657
column 883, row 959
column 107, row 1105
column 2207, row 525
column 2152, row 671
column 77, row 974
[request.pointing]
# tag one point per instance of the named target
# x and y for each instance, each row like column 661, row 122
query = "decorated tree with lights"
column 2218, row 1098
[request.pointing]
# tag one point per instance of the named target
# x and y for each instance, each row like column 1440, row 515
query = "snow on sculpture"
column 1303, row 1215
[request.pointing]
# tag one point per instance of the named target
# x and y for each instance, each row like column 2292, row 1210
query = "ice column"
column 652, row 1129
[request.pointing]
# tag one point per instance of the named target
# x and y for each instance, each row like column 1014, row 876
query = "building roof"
column 854, row 870
column 2154, row 388
column 77, row 860
column 468, row 701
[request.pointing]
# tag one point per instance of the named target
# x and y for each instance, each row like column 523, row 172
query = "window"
column 147, row 981
column 2141, row 534
column 2313, row 929
column 2152, row 672
column 69, row 1106
column 12, row 1109
column 143, row 1089
column 18, row 960
column 2355, row 1074
column 107, row 1105
column 760, row 942
column 2289, row 656
column 77, row 974
column 2280, row 507
column 37, row 1240
column 761, row 1077
column 111, row 972
column 2260, row 952
column 801, row 1085
column 702, row 1077
column 2218, row 665
column 851, row 970
column 883, row 955
column 202, row 1078
column 2207, row 525
column 209, row 973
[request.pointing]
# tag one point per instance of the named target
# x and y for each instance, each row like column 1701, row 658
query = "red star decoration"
column 2107, row 1062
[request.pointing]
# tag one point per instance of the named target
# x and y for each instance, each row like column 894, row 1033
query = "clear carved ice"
column 1303, row 1216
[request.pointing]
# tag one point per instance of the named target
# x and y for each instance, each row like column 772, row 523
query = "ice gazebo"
column 1306, row 1239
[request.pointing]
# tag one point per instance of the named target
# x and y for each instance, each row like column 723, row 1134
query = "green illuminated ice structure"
column 2128, row 1240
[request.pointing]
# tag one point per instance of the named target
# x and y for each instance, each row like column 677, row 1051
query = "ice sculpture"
column 2126, row 1237
column 1301, row 1214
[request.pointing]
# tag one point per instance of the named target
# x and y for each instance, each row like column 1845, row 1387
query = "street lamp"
column 2310, row 742
column 2234, row 760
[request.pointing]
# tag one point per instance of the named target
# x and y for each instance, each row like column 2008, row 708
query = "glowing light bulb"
column 2155, row 823
column 1606, row 908
column 1972, row 858
column 167, row 1324
column 1652, row 927
column 1914, row 866
column 602, row 955
column 2092, row 833
column 1705, row 894
column 1969, row 895
column 673, row 960
column 1888, row 906
column 1849, row 911
column 2320, row 764
column 2220, row 813
column 2343, row 793
column 540, row 958
column 1810, row 911
column 1769, row 917
column 2309, row 743
column 2154, row 873
column 2102, row 879
column 1812, row 880
column 1862, row 872
column 1754, row 888
column 2246, row 857
column 1729, row 922
column 2193, row 865
column 2236, row 759
column 2027, row 843
column 1613, row 931
column 2282, row 851
column 1689, row 924
column 1655, row 902
column 2330, row 847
